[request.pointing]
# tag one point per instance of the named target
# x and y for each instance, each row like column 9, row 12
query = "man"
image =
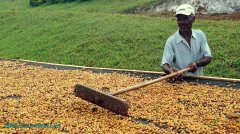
column 186, row 47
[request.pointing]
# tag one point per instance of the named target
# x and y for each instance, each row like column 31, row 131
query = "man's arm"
column 204, row 61
column 168, row 57
column 199, row 63
column 206, row 55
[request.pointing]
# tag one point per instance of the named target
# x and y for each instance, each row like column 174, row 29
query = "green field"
column 101, row 33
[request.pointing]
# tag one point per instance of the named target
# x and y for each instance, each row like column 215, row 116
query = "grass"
column 14, row 5
column 103, row 6
column 95, row 33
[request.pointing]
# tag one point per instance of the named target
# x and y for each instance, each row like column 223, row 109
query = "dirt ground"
column 233, row 16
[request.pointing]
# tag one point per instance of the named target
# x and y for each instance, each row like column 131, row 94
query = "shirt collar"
column 179, row 38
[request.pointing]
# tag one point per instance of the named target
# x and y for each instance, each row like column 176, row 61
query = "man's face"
column 185, row 22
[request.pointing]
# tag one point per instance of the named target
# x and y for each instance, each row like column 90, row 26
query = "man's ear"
column 193, row 18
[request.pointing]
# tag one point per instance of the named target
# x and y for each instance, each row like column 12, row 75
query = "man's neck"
column 187, row 36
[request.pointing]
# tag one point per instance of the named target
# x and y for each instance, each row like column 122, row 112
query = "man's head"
column 185, row 15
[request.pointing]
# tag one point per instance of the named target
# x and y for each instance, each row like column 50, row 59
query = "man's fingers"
column 193, row 67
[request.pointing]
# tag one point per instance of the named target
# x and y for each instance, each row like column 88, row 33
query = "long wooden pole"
column 149, row 82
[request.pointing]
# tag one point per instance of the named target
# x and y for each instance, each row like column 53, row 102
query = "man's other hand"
column 169, row 70
column 193, row 67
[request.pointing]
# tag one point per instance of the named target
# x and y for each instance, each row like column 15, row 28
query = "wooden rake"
column 110, row 101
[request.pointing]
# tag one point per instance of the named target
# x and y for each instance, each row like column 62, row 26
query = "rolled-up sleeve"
column 204, row 46
column 168, row 54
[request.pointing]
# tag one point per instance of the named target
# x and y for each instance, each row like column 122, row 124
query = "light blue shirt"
column 179, row 54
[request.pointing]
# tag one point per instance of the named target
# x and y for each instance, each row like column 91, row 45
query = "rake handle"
column 149, row 82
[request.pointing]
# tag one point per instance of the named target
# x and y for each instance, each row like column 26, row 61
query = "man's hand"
column 200, row 63
column 169, row 70
column 193, row 67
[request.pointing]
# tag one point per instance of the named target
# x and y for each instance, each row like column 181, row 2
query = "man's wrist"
column 198, row 64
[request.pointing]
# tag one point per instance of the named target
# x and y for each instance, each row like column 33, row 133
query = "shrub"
column 62, row 1
column 34, row 3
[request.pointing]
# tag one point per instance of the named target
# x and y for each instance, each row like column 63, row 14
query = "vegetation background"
column 105, row 33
